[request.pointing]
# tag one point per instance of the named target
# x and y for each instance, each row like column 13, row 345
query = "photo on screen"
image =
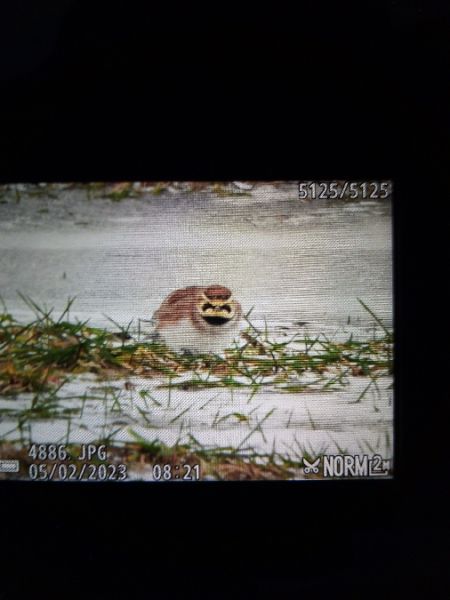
column 196, row 331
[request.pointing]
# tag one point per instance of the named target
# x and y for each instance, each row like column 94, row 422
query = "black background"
column 356, row 92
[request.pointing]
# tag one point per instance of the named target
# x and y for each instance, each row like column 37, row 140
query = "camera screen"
column 196, row 331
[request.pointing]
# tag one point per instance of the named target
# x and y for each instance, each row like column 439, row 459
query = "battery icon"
column 9, row 466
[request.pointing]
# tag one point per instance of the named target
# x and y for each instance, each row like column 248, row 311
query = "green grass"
column 41, row 356
column 220, row 463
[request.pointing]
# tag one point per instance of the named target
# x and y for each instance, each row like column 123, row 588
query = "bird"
column 198, row 320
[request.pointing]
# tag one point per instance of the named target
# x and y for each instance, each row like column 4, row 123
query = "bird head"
column 216, row 306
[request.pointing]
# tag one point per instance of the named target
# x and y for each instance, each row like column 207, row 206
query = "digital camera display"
column 196, row 331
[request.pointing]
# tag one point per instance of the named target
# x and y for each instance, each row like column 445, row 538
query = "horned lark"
column 199, row 319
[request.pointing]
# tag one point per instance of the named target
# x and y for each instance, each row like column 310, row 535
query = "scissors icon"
column 311, row 468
